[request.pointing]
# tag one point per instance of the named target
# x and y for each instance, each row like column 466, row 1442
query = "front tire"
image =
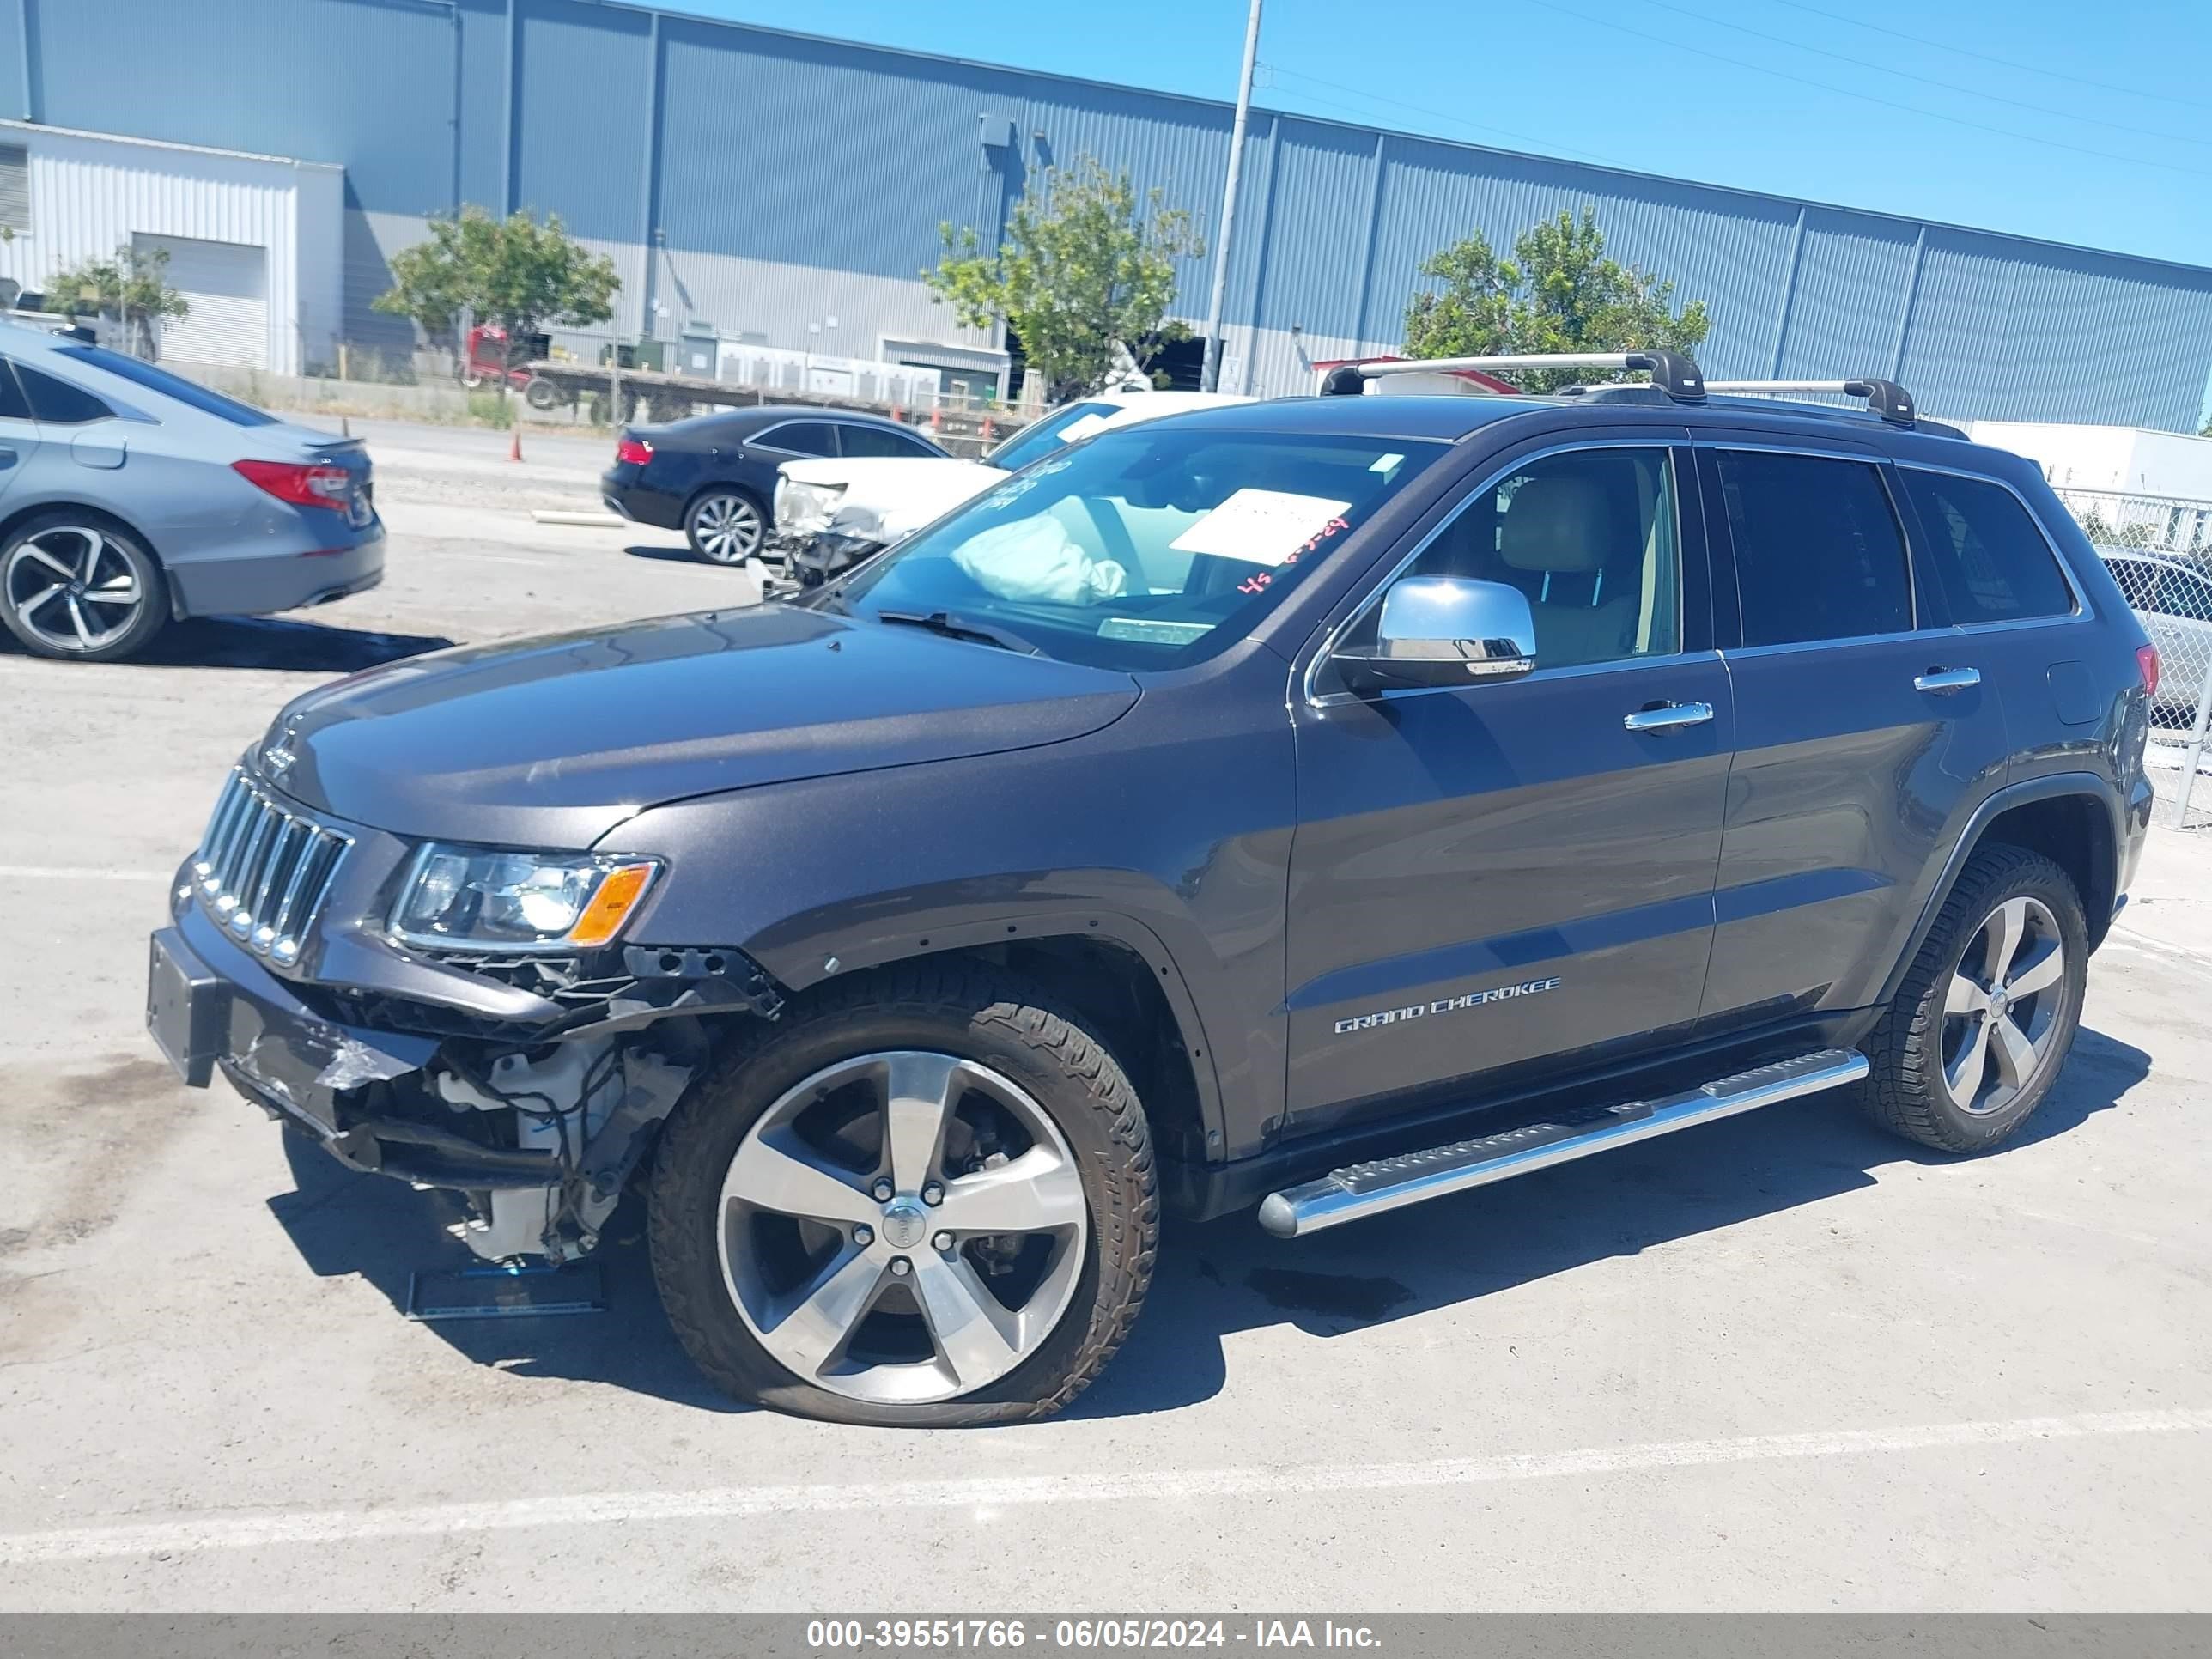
column 725, row 526
column 74, row 587
column 925, row 1197
column 1980, row 1028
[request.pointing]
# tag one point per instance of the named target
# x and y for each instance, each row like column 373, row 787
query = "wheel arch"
column 2073, row 818
column 1117, row 973
column 15, row 517
column 728, row 486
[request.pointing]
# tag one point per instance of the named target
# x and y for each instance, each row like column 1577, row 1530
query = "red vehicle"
column 487, row 355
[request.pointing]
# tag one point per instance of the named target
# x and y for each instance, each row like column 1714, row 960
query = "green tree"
column 1558, row 293
column 1084, row 275
column 132, row 289
column 513, row 272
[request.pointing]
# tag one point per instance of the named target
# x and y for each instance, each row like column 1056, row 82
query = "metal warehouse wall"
column 791, row 179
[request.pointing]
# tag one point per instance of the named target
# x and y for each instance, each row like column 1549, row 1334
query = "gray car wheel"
column 922, row 1197
column 1979, row 1030
column 72, row 587
column 725, row 526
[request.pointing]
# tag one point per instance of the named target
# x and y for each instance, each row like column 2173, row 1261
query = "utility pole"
column 1210, row 375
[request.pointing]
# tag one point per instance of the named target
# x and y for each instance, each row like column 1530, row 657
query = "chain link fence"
column 568, row 381
column 2159, row 550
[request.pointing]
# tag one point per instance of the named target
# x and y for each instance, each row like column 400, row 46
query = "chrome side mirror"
column 1446, row 630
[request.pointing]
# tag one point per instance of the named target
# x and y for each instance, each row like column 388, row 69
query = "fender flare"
column 1013, row 926
column 2052, row 787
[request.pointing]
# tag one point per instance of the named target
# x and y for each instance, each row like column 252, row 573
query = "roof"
column 1443, row 419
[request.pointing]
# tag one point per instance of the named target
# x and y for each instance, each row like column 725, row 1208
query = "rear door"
column 19, row 433
column 1493, row 877
column 1863, row 742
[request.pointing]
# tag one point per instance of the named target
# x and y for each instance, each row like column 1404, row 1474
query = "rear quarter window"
column 1990, row 558
column 56, row 402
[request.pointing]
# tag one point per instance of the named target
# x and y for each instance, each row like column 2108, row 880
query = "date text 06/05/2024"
column 1063, row 1635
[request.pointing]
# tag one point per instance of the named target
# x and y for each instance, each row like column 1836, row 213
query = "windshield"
column 1148, row 547
column 1040, row 438
column 172, row 385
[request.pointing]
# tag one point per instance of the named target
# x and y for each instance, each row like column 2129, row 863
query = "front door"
column 1511, row 875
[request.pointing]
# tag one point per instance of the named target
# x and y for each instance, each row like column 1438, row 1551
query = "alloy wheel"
column 727, row 528
column 2001, row 1009
column 903, row 1227
column 72, row 588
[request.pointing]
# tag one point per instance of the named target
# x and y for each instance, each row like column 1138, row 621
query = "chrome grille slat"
column 227, row 810
column 265, row 869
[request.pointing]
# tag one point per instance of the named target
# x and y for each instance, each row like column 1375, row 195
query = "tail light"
column 632, row 451
column 303, row 485
column 2147, row 660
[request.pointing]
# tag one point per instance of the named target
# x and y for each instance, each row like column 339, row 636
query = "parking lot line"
column 68, row 872
column 178, row 1534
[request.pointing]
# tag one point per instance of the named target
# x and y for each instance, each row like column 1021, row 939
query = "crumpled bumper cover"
column 277, row 1051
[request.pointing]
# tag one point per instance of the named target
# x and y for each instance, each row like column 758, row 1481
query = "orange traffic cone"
column 514, row 446
column 988, row 430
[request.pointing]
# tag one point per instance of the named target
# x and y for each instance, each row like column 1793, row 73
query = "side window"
column 12, row 405
column 56, row 402
column 878, row 440
column 1590, row 536
column 1994, row 564
column 1818, row 552
column 799, row 438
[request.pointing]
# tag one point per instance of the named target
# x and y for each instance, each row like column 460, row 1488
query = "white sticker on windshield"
column 1386, row 463
column 1081, row 428
column 1265, row 526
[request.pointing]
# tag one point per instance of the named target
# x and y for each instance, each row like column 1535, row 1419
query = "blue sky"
column 2076, row 123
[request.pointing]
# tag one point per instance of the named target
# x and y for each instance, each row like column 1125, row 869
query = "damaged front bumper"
column 540, row 1122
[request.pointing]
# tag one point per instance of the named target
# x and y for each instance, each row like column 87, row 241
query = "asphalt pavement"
column 1780, row 1362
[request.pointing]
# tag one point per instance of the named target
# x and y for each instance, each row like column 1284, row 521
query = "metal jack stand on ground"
column 514, row 1292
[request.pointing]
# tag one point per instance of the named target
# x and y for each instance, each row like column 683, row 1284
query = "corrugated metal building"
column 767, row 182
column 252, row 241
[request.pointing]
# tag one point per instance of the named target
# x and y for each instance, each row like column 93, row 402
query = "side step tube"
column 1392, row 1183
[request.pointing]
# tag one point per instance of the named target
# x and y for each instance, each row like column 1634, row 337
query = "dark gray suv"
column 1318, row 806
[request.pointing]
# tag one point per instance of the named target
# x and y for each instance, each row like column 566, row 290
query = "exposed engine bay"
column 588, row 1108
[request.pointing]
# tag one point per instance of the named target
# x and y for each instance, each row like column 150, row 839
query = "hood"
column 885, row 497
column 554, row 741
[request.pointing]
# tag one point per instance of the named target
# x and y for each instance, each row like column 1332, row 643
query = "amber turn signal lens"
column 610, row 905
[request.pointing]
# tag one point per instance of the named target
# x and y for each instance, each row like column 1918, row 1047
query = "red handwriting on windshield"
column 1261, row 581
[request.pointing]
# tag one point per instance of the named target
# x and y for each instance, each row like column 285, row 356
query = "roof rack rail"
column 1670, row 371
column 1884, row 398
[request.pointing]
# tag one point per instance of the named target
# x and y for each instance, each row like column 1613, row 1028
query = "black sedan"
column 714, row 476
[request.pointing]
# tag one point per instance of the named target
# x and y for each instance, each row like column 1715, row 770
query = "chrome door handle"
column 1668, row 717
column 1943, row 681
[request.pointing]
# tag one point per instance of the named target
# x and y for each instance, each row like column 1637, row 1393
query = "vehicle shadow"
column 1221, row 1277
column 272, row 642
column 681, row 555
column 342, row 1222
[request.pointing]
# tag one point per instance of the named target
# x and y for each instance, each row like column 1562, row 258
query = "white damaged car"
column 832, row 513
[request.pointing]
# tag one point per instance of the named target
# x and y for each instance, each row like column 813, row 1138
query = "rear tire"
column 79, row 587
column 750, row 1291
column 725, row 525
column 1955, row 1066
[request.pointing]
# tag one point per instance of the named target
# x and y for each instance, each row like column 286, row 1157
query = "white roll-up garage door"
column 226, row 286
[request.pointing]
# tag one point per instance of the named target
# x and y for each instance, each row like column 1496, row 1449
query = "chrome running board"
column 1392, row 1183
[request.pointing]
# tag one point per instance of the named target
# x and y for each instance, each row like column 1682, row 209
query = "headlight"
column 805, row 509
column 466, row 896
